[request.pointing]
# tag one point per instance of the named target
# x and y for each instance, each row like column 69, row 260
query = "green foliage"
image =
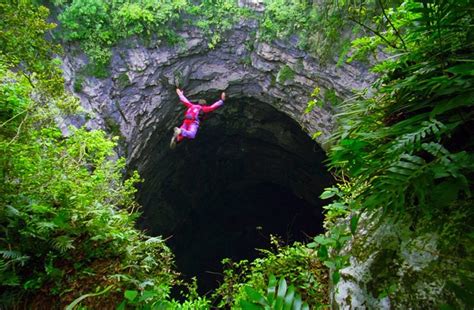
column 100, row 71
column 334, row 242
column 215, row 17
column 405, row 149
column 77, row 301
column 113, row 128
column 98, row 25
column 77, row 209
column 78, row 83
column 22, row 44
column 278, row 297
column 284, row 18
column 331, row 98
column 285, row 74
column 123, row 80
column 154, row 299
column 322, row 27
column 314, row 101
column 316, row 135
column 67, row 216
column 298, row 264
column 345, row 48
column 404, row 143
column 337, row 235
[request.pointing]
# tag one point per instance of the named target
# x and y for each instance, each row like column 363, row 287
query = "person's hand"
column 179, row 91
column 223, row 96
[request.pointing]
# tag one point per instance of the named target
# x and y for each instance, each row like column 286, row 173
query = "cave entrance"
column 251, row 172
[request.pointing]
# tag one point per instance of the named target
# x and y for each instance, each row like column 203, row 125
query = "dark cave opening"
column 250, row 172
column 252, row 212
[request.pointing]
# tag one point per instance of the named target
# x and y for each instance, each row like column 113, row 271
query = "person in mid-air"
column 190, row 124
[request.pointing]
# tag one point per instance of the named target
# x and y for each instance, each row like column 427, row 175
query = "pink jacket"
column 192, row 113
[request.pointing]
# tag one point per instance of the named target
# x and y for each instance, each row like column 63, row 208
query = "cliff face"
column 257, row 144
column 139, row 96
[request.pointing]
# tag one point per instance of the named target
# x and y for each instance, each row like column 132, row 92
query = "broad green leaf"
column 147, row 294
column 336, row 276
column 463, row 100
column 297, row 303
column 354, row 222
column 122, row 305
column 281, row 292
column 254, row 296
column 11, row 211
column 130, row 295
column 290, row 294
column 76, row 301
column 327, row 194
column 401, row 171
column 246, row 305
column 330, row 264
column 271, row 289
column 315, row 135
column 464, row 69
column 321, row 239
column 323, row 252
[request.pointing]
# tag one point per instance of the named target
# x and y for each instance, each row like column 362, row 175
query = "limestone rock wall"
column 139, row 97
column 395, row 266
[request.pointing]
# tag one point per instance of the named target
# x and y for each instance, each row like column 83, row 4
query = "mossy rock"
column 78, row 83
column 100, row 71
column 285, row 74
column 123, row 80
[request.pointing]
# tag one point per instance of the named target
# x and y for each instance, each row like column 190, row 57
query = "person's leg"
column 177, row 137
column 177, row 132
column 189, row 131
column 184, row 127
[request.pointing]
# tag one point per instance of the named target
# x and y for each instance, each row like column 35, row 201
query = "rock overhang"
column 139, row 96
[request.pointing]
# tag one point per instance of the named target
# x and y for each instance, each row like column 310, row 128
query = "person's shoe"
column 173, row 143
column 174, row 139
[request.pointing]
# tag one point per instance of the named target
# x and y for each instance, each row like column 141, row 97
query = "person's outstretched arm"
column 183, row 99
column 215, row 105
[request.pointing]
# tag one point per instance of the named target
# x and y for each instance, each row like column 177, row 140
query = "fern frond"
column 435, row 149
column 12, row 257
column 9, row 279
column 63, row 243
column 44, row 227
column 154, row 240
column 11, row 211
column 413, row 140
column 407, row 167
column 10, row 254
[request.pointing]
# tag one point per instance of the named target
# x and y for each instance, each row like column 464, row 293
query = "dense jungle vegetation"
column 403, row 151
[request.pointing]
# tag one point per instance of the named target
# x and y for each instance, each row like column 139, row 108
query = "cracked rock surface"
column 139, row 96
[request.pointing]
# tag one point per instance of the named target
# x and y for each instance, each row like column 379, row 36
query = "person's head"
column 201, row 101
